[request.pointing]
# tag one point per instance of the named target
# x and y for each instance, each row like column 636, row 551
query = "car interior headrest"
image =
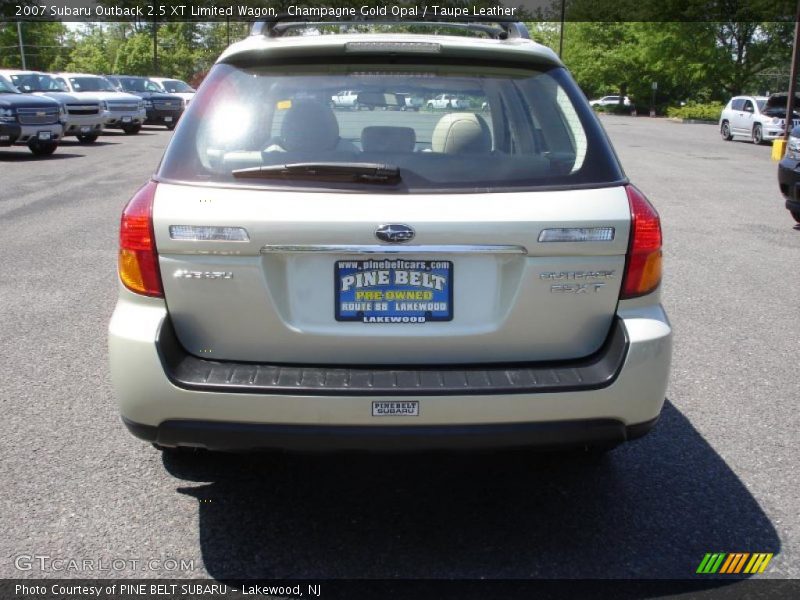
column 379, row 138
column 309, row 125
column 461, row 133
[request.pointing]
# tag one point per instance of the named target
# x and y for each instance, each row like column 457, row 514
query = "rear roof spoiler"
column 495, row 27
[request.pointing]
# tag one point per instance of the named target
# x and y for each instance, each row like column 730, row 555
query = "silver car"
column 758, row 118
column 302, row 278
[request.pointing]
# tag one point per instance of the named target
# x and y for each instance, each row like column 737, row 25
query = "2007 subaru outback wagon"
column 301, row 276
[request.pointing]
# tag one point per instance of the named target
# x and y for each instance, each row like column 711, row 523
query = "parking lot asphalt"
column 718, row 474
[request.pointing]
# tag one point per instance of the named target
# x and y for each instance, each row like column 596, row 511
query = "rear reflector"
column 138, row 259
column 643, row 265
column 577, row 234
column 201, row 233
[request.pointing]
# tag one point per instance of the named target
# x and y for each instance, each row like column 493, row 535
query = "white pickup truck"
column 345, row 99
column 445, row 101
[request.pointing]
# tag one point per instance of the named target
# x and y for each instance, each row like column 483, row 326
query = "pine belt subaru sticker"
column 389, row 408
column 393, row 291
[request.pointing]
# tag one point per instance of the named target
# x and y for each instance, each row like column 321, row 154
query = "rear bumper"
column 193, row 373
column 619, row 397
column 247, row 436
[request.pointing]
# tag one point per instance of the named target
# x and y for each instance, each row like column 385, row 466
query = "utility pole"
column 561, row 29
column 793, row 75
column 21, row 46
column 155, row 45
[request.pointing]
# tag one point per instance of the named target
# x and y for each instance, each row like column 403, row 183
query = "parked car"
column 161, row 109
column 297, row 277
column 121, row 110
column 176, row 87
column 345, row 99
column 412, row 101
column 83, row 116
column 610, row 101
column 789, row 174
column 445, row 101
column 758, row 118
column 30, row 120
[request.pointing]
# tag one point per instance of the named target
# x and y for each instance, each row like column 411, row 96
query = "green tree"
column 90, row 53
column 45, row 44
column 135, row 56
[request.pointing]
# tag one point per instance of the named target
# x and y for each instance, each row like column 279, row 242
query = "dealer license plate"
column 85, row 129
column 393, row 290
column 44, row 136
column 126, row 119
column 167, row 119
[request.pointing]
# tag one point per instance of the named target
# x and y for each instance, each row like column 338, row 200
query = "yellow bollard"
column 778, row 149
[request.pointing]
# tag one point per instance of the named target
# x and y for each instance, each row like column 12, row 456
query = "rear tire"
column 42, row 148
column 90, row 138
column 171, row 126
column 758, row 135
column 795, row 215
column 131, row 129
column 725, row 131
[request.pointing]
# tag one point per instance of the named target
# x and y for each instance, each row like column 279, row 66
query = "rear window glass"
column 461, row 128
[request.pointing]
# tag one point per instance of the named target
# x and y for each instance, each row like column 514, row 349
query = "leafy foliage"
column 700, row 112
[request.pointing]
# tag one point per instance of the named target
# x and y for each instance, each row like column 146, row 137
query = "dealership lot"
column 718, row 474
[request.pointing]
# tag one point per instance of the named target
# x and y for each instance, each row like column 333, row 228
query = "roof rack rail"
column 500, row 28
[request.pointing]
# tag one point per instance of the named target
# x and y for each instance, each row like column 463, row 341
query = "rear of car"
column 300, row 277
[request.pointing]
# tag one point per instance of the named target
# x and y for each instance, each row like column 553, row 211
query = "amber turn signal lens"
column 643, row 265
column 138, row 258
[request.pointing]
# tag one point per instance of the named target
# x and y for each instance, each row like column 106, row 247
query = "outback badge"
column 395, row 234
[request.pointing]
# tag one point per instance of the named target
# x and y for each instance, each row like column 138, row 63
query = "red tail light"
column 138, row 258
column 643, row 264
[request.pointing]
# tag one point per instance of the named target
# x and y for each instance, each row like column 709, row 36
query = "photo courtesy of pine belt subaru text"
column 308, row 273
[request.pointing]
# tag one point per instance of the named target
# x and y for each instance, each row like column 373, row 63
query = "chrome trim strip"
column 398, row 249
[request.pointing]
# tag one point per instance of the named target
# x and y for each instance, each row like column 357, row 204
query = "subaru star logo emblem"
column 394, row 233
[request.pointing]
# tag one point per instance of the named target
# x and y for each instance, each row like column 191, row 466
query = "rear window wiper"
column 348, row 172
